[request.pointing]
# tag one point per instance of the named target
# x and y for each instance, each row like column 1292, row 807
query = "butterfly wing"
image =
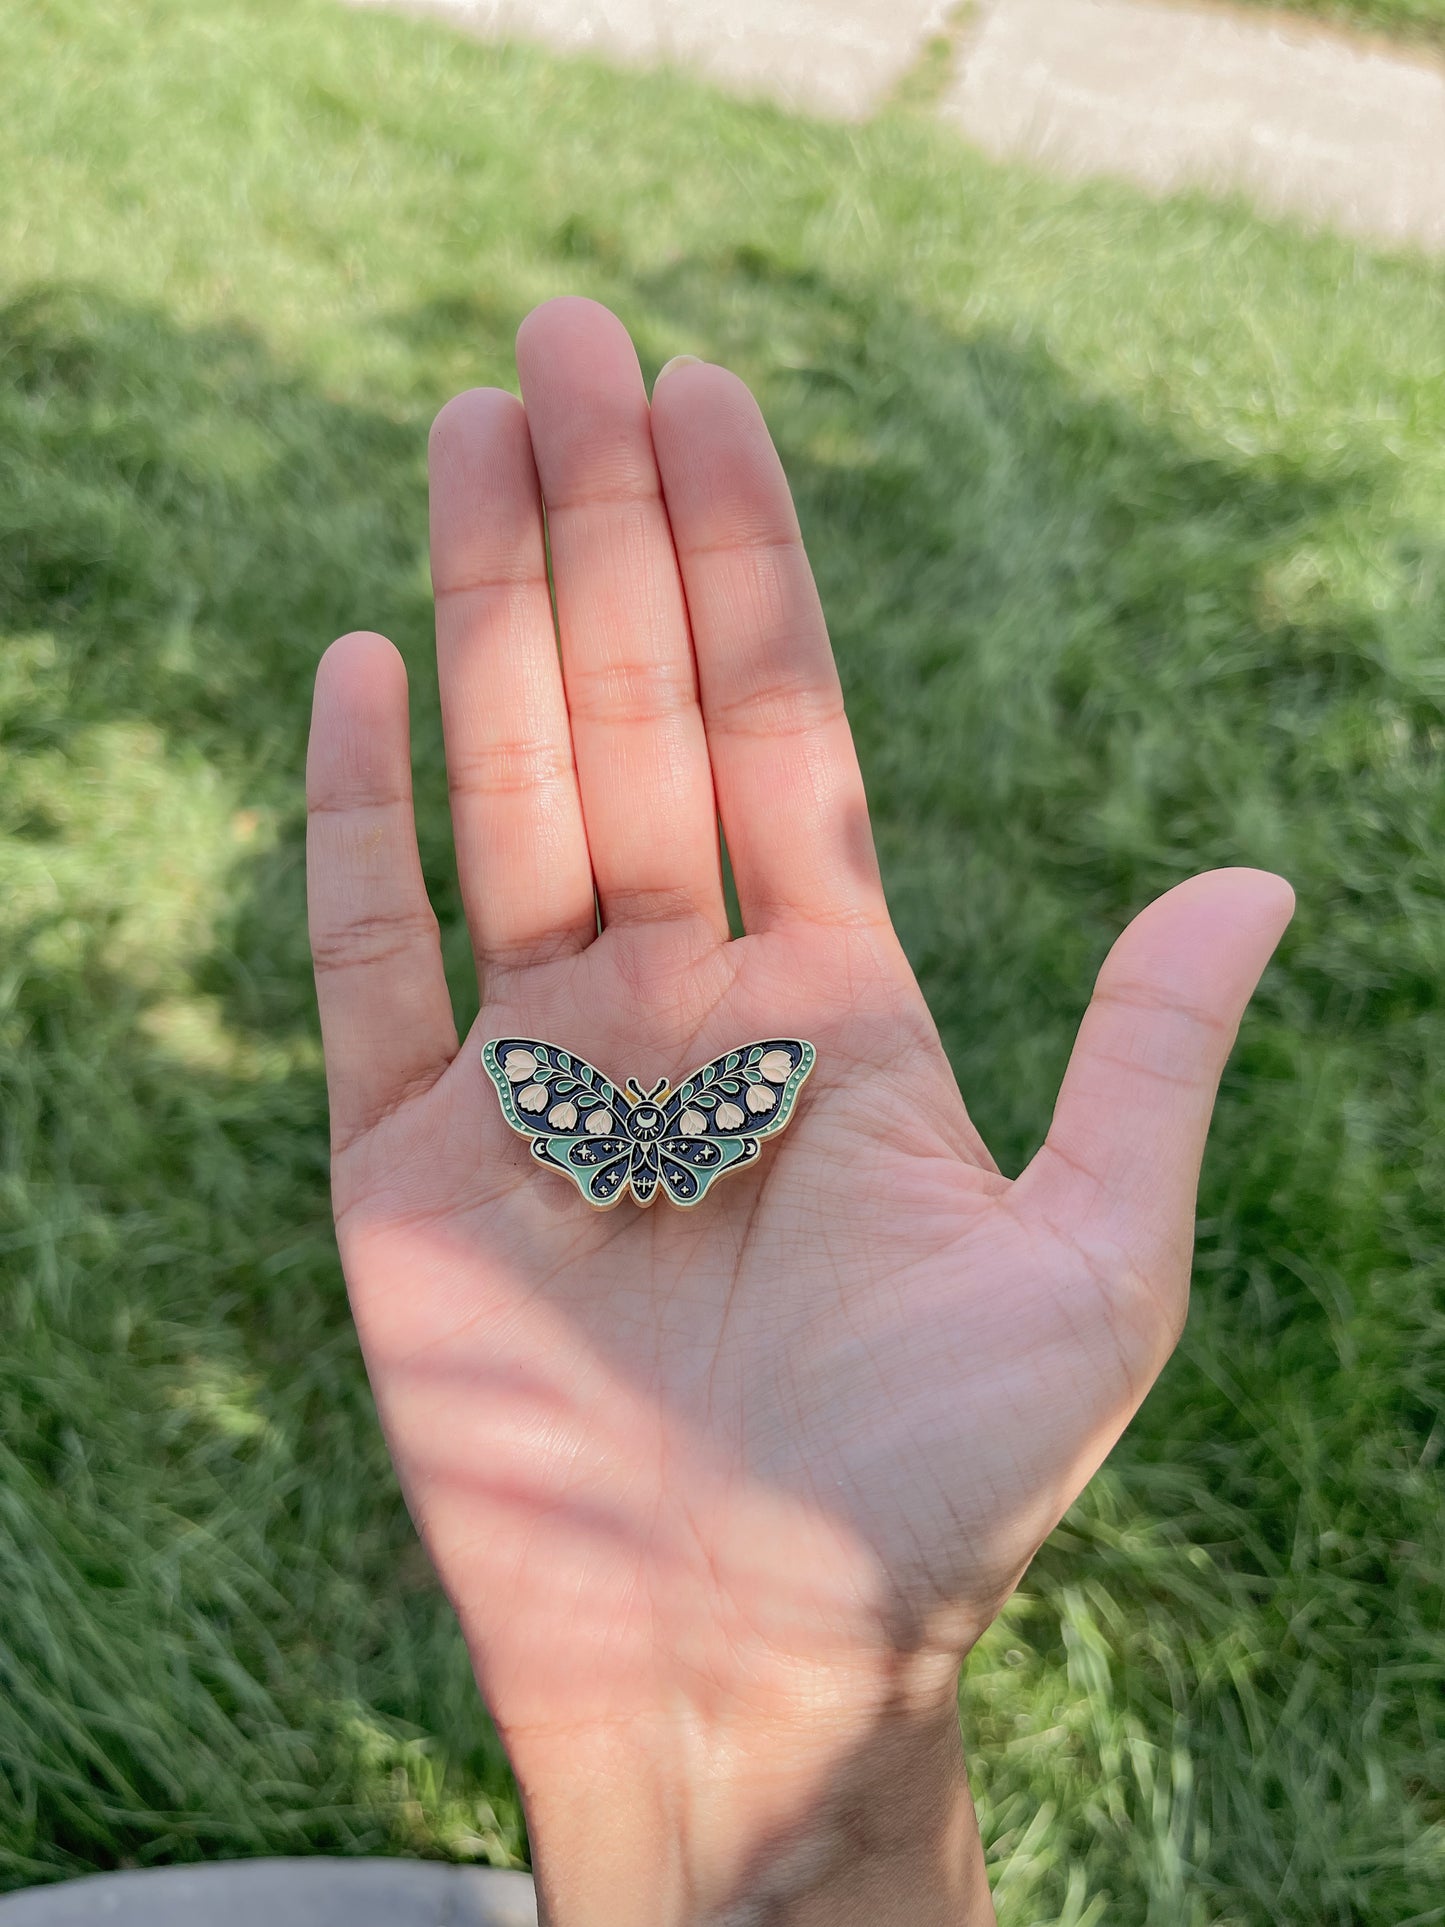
column 717, row 1117
column 687, row 1168
column 575, row 1117
column 599, row 1167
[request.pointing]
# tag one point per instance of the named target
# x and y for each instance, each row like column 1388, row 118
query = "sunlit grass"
column 1128, row 522
column 1419, row 22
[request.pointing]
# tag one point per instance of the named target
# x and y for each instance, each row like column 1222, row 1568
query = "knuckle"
column 370, row 939
column 793, row 703
column 1152, row 1000
column 521, row 950
column 647, row 691
column 517, row 766
column 642, row 903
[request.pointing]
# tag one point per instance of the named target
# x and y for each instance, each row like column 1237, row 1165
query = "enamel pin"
column 674, row 1142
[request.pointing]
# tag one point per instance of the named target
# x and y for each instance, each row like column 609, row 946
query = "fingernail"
column 678, row 361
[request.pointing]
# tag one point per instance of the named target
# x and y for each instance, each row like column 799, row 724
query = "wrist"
column 654, row 1824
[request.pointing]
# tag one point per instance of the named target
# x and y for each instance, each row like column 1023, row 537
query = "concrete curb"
column 283, row 1893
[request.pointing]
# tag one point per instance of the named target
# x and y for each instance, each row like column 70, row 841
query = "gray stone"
column 1341, row 131
column 283, row 1893
column 837, row 57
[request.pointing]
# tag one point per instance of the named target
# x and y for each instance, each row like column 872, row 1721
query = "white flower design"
column 562, row 1116
column 599, row 1122
column 692, row 1124
column 760, row 1098
column 519, row 1065
column 534, row 1098
column 729, row 1117
column 776, row 1066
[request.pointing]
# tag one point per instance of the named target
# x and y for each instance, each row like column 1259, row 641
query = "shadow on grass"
column 1075, row 672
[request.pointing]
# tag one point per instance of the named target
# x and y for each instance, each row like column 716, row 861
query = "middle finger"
column 627, row 660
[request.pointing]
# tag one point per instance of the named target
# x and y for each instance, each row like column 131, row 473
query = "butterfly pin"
column 677, row 1142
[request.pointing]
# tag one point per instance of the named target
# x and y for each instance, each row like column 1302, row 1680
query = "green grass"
column 1128, row 521
column 1407, row 20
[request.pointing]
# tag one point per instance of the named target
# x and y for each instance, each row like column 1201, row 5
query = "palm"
column 712, row 1459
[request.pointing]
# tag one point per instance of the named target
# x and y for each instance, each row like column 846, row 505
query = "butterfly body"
column 673, row 1141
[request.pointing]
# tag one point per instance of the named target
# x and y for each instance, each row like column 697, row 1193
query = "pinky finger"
column 386, row 1017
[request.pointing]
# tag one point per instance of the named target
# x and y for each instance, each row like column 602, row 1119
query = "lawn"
column 1128, row 520
column 1407, row 20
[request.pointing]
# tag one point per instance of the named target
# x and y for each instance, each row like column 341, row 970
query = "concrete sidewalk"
column 283, row 1893
column 830, row 57
column 1306, row 121
column 1349, row 134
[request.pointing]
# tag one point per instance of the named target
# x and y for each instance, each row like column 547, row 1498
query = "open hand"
column 721, row 1496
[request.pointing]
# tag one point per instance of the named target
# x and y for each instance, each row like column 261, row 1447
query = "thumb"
column 1120, row 1166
